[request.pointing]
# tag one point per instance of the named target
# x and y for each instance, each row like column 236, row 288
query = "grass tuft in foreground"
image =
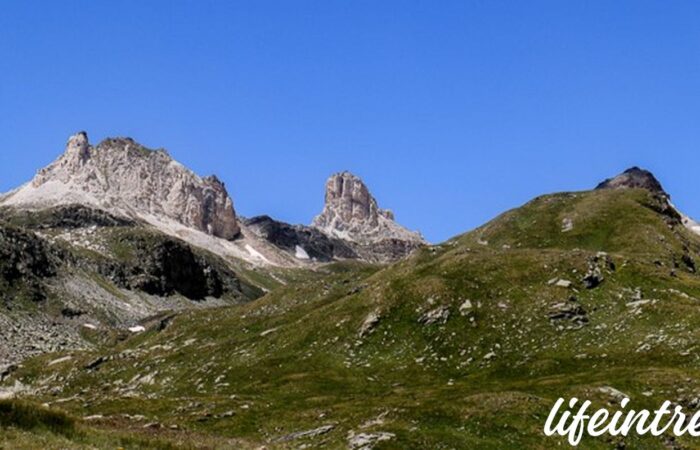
column 29, row 416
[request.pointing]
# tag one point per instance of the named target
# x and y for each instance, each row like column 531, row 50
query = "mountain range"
column 139, row 233
column 143, row 312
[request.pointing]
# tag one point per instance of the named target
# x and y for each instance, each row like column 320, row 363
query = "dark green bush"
column 29, row 416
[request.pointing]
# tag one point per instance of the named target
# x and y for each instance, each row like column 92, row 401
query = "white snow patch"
column 687, row 221
column 465, row 307
column 691, row 224
column 300, row 253
column 137, row 329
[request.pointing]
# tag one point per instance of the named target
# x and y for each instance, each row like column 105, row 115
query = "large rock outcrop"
column 164, row 266
column 352, row 214
column 26, row 262
column 125, row 178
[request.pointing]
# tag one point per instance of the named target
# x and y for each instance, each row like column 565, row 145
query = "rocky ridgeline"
column 127, row 180
column 124, row 178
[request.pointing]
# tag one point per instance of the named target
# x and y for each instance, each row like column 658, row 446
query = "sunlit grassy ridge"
column 465, row 345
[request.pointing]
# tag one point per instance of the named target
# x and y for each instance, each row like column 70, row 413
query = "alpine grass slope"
column 466, row 344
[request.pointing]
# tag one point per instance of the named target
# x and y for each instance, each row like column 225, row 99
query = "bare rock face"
column 124, row 178
column 634, row 178
column 351, row 213
column 349, row 207
column 25, row 261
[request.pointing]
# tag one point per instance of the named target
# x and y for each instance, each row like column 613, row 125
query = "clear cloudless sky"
column 451, row 111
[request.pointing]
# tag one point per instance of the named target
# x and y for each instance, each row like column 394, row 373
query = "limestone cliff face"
column 351, row 213
column 123, row 177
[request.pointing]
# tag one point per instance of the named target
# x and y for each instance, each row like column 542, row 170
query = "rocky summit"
column 351, row 213
column 634, row 177
column 127, row 179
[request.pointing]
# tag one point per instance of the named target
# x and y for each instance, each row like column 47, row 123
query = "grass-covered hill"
column 465, row 345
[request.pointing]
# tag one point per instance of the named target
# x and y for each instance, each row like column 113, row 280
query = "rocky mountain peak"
column 348, row 203
column 125, row 178
column 351, row 213
column 634, row 177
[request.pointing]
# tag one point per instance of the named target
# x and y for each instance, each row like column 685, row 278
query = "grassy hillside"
column 465, row 345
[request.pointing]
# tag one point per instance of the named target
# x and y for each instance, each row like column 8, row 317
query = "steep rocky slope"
column 466, row 344
column 68, row 270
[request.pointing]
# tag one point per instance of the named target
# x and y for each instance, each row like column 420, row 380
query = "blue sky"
column 451, row 111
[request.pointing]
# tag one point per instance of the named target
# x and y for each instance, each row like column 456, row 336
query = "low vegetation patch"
column 28, row 416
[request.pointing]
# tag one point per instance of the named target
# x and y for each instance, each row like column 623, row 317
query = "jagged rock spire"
column 351, row 213
column 348, row 205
